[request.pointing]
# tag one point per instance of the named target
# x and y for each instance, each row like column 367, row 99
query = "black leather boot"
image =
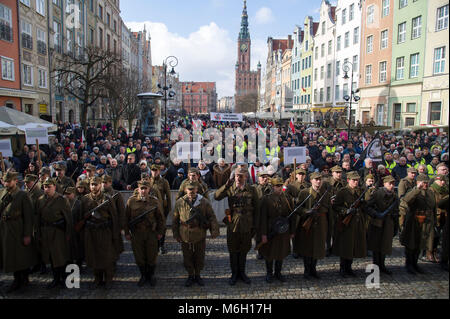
column 56, row 278
column 343, row 268
column 15, row 284
column 199, row 280
column 190, row 281
column 349, row 269
column 415, row 260
column 307, row 264
column 269, row 271
column 98, row 280
column 375, row 259
column 142, row 270
column 382, row 264
column 278, row 267
column 409, row 263
column 234, row 263
column 151, row 275
column 242, row 261
column 313, row 270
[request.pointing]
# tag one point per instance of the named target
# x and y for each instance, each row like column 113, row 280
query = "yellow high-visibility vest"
column 331, row 150
column 390, row 167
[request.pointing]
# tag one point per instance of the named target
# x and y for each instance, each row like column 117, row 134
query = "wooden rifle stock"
column 79, row 226
column 308, row 222
column 2, row 163
column 356, row 203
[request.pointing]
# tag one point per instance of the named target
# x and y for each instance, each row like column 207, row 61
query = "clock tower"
column 247, row 82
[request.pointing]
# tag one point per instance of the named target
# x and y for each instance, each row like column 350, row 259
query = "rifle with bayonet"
column 138, row 219
column 92, row 213
column 281, row 224
column 352, row 209
column 313, row 211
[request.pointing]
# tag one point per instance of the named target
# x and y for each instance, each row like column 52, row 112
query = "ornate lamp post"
column 346, row 67
column 171, row 61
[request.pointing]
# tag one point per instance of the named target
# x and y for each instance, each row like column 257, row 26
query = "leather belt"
column 93, row 225
column 188, row 226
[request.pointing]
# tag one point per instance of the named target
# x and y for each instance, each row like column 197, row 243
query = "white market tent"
column 13, row 121
column 275, row 115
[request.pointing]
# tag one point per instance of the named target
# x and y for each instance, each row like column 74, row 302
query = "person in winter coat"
column 206, row 175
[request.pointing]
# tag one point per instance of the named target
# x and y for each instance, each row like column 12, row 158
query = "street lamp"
column 346, row 67
column 171, row 61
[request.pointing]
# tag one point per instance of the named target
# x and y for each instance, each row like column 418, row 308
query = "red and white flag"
column 292, row 126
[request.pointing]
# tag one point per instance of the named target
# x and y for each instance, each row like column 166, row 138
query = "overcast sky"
column 202, row 34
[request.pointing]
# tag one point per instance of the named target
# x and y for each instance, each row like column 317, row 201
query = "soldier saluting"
column 383, row 209
column 311, row 235
column 419, row 220
column 144, row 226
column 16, row 229
column 277, row 248
column 192, row 216
column 100, row 231
column 241, row 222
column 54, row 228
column 350, row 228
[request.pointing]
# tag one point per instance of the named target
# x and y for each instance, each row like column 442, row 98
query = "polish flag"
column 303, row 89
column 291, row 125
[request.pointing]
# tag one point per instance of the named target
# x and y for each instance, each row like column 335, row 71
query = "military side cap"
column 423, row 178
column 368, row 176
column 388, row 179
column 411, row 170
column 9, row 176
column 90, row 167
column 30, row 178
column 192, row 170
column 144, row 182
column 336, row 168
column 277, row 181
column 262, row 173
column 315, row 175
column 300, row 171
column 154, row 167
column 241, row 171
column 95, row 180
column 60, row 167
column 70, row 190
column 192, row 185
column 49, row 181
column 44, row 170
column 353, row 175
column 106, row 179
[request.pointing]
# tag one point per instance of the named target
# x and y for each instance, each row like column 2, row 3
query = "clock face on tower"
column 244, row 47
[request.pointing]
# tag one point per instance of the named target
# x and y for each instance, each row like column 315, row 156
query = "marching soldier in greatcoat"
column 100, row 233
column 311, row 233
column 62, row 181
column 275, row 205
column 163, row 187
column 264, row 187
column 350, row 227
column 54, row 229
column 75, row 209
column 194, row 176
column 382, row 228
column 189, row 229
column 300, row 183
column 144, row 226
column 443, row 205
column 406, row 184
column 419, row 222
column 37, row 191
column 241, row 221
column 440, row 190
column 17, row 252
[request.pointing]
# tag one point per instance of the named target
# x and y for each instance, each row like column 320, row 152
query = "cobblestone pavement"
column 171, row 275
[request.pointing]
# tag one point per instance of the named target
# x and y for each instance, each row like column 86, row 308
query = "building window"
column 328, row 70
column 439, row 60
column 40, row 7
column 410, row 107
column 370, row 14
column 26, row 2
column 316, row 53
column 370, row 44
column 7, row 69
column 384, row 39
column 338, row 43
column 347, row 39
column 435, row 112
column 42, row 78
column 401, row 32
column 368, row 74
column 91, row 5
column 336, row 93
column 5, row 23
column 344, row 16
column 41, row 41
column 323, row 27
column 409, row 121
column 355, row 63
column 328, row 93
column 321, row 72
column 108, row 19
column 91, row 36
column 100, row 37
column 100, row 12
column 315, row 95
column 57, row 36
column 442, row 18
column 306, row 45
column 69, row 41
column 414, row 66
column 400, row 74
column 27, row 35
column 322, row 50
column 383, row 71
column 338, row 67
column 27, row 75
column 356, row 35
column 403, row 3
column 345, row 90
column 309, row 80
column 321, row 95
column 315, row 74
column 351, row 12
column 416, row 27
column 380, row 114
column 386, row 5
column 330, row 45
